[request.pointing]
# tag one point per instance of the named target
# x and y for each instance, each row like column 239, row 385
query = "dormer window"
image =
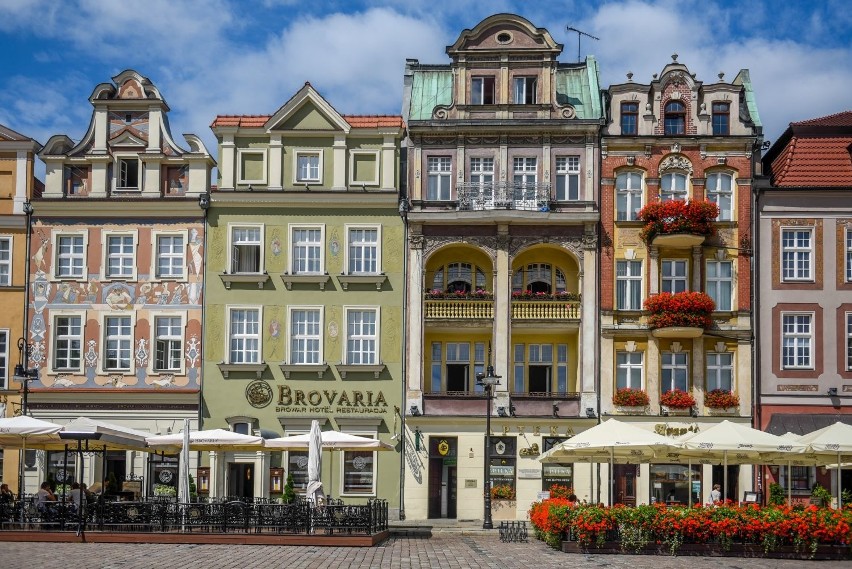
column 525, row 88
column 675, row 118
column 721, row 119
column 128, row 118
column 128, row 174
column 629, row 118
column 482, row 91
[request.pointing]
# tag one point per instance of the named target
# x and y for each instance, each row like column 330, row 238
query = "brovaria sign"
column 329, row 401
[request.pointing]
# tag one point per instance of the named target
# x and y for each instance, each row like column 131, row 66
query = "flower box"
column 478, row 294
column 530, row 295
column 628, row 397
column 677, row 399
column 721, row 399
column 680, row 310
column 678, row 217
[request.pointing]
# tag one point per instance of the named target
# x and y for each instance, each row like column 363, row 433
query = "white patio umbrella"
column 183, row 491
column 213, row 439
column 831, row 442
column 15, row 432
column 314, row 490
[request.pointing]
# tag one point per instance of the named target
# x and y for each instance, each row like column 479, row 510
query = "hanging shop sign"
column 330, row 401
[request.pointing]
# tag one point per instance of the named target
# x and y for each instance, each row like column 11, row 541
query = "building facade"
column 677, row 139
column 117, row 249
column 804, row 219
column 502, row 268
column 17, row 187
column 305, row 280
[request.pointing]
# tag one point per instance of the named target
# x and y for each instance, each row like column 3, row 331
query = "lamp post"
column 488, row 380
column 24, row 376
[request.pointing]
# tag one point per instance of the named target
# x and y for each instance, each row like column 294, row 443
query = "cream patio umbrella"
column 213, row 439
column 314, row 490
column 15, row 432
column 830, row 443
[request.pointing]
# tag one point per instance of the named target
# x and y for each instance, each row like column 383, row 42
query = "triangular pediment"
column 307, row 111
column 127, row 138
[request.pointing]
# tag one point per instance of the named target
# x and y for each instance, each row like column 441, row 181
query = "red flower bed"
column 668, row 217
column 691, row 309
column 628, row 397
column 677, row 399
column 721, row 399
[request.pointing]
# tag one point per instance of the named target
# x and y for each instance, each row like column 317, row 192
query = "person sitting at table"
column 45, row 496
column 78, row 496
column 6, row 496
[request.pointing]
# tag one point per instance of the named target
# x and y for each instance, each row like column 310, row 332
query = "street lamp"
column 488, row 380
column 24, row 375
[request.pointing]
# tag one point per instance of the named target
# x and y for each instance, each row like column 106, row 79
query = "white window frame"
column 119, row 158
column 630, row 279
column 713, row 376
column 352, row 155
column 668, row 361
column 156, row 235
column 241, row 179
column 630, row 368
column 673, row 194
column 439, row 168
column 291, row 336
column 152, row 360
column 796, row 336
column 630, row 194
column 376, row 337
column 4, row 358
column 848, row 237
column 229, row 310
column 715, row 193
column 713, row 284
column 478, row 90
column 103, row 339
column 521, row 85
column 230, row 260
column 55, row 236
column 318, row 152
column 6, row 264
column 525, row 170
column 371, row 434
column 480, row 173
column 105, row 254
column 291, row 229
column 346, row 256
column 54, row 314
column 674, row 279
column 799, row 254
column 568, row 169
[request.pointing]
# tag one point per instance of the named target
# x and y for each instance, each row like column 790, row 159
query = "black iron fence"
column 261, row 516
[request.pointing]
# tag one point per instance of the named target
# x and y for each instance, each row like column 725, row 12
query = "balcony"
column 503, row 195
column 458, row 306
column 545, row 310
column 678, row 224
column 454, row 403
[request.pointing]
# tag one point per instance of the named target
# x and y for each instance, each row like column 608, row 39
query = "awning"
column 803, row 423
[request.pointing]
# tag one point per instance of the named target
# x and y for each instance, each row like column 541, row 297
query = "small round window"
column 504, row 37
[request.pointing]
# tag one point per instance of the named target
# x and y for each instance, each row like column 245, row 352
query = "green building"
column 304, row 303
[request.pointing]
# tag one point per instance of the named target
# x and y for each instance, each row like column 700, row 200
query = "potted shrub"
column 678, row 217
column 820, row 496
column 680, row 310
column 502, row 492
column 721, row 399
column 677, row 399
column 629, row 397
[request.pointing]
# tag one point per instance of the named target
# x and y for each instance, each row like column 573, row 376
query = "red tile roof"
column 243, row 121
column 355, row 121
column 837, row 119
column 815, row 161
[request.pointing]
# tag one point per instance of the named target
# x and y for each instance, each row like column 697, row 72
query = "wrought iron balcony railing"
column 503, row 195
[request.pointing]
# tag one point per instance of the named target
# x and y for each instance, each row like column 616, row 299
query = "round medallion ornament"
column 62, row 475
column 258, row 394
column 359, row 463
column 165, row 476
column 500, row 447
column 302, row 462
column 443, row 448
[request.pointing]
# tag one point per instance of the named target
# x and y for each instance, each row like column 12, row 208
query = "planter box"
column 678, row 240
column 631, row 410
column 723, row 410
column 503, row 510
column 677, row 332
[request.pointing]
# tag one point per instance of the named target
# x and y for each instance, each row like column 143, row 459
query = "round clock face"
column 165, row 476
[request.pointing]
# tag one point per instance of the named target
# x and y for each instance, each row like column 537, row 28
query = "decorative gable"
column 307, row 111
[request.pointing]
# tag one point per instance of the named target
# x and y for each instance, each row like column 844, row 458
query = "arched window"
column 673, row 187
column 720, row 187
column 459, row 277
column 628, row 201
column 539, row 277
column 675, row 118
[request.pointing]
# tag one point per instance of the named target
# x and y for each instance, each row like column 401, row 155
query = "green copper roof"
column 428, row 90
column 580, row 88
column 744, row 77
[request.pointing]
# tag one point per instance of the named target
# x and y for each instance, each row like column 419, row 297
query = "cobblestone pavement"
column 442, row 552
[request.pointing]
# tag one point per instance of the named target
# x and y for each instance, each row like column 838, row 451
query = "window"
column 305, row 336
column 67, row 343
column 482, row 171
column 720, row 192
column 482, row 91
column 361, row 337
column 673, row 187
column 628, row 285
column 525, row 90
column 630, row 118
column 168, row 343
column 252, row 166
column 721, row 119
column 720, row 371
column 849, row 341
column 359, row 468
column 675, row 118
column 538, row 277
column 454, row 373
column 244, row 336
column 120, row 256
column 459, row 277
column 70, row 256
column 628, row 370
column 5, row 261
column 119, row 341
column 796, row 254
column 801, row 478
column 525, row 171
column 848, row 255
column 4, row 363
column 567, row 178
column 438, row 168
column 534, row 368
column 673, row 278
column 797, row 337
column 297, row 467
column 308, row 167
column 628, row 199
column 675, row 371
column 458, row 366
column 170, row 256
column 720, row 284
column 246, row 248
column 363, row 250
column 128, row 174
column 307, row 250
column 241, row 428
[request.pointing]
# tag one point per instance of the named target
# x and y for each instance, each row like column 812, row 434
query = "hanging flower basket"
column 682, row 309
column 721, row 399
column 677, row 399
column 677, row 216
column 628, row 397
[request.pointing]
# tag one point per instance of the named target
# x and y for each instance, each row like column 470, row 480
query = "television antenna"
column 580, row 35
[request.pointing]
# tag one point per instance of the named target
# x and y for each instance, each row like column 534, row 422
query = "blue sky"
column 212, row 57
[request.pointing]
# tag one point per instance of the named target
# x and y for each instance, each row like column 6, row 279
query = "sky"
column 210, row 57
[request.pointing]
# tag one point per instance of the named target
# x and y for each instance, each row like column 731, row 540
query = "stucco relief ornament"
column 37, row 353
column 193, row 350
column 332, row 329
column 91, row 355
column 258, row 394
column 276, row 246
column 334, row 247
column 673, row 162
column 142, row 353
column 500, row 447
